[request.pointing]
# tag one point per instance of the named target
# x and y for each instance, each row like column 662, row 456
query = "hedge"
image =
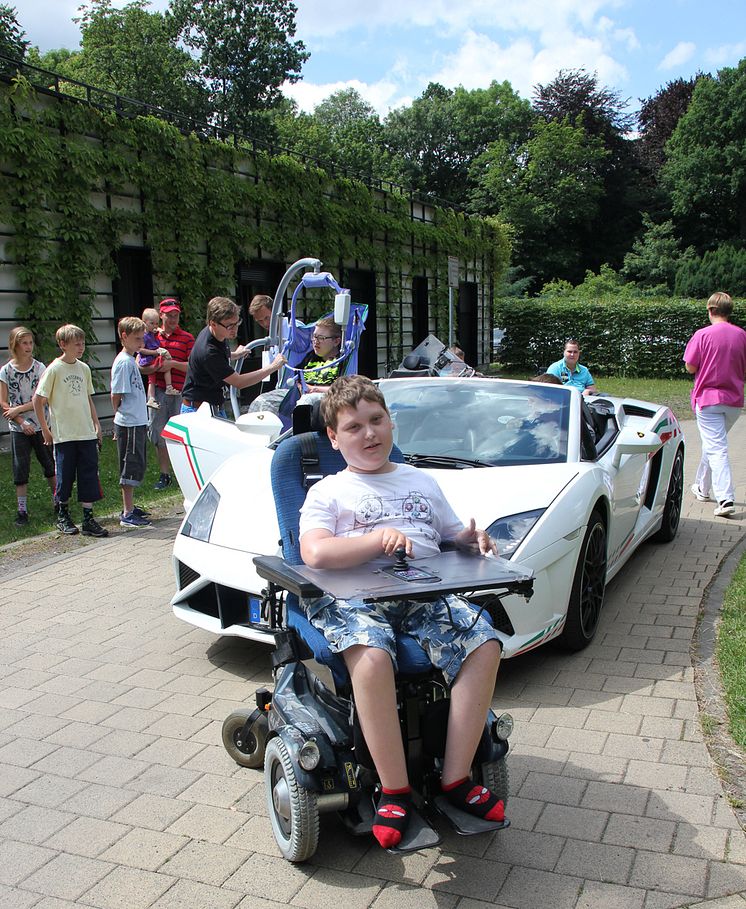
column 642, row 337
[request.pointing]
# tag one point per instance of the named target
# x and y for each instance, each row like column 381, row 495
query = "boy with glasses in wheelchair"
column 363, row 515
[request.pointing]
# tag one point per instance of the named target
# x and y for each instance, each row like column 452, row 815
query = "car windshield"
column 472, row 422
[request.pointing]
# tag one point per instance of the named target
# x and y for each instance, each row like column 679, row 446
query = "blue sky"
column 390, row 49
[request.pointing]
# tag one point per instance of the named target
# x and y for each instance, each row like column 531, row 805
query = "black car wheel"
column 588, row 588
column 672, row 508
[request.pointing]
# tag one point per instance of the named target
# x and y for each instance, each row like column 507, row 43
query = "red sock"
column 392, row 816
column 475, row 799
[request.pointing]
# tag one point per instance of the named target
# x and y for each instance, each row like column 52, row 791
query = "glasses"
column 324, row 337
column 231, row 325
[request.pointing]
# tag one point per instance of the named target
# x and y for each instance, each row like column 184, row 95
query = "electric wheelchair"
column 305, row 732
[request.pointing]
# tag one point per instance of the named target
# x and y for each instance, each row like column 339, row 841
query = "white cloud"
column 382, row 95
column 683, row 52
column 479, row 60
column 726, row 54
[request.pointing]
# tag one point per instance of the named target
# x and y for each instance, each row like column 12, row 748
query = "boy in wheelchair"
column 363, row 515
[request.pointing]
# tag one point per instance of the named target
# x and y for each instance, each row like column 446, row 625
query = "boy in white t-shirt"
column 130, row 418
column 67, row 388
column 363, row 514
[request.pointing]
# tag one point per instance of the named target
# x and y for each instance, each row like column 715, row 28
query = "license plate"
column 255, row 611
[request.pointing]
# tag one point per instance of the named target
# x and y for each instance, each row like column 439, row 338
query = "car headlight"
column 198, row 525
column 510, row 532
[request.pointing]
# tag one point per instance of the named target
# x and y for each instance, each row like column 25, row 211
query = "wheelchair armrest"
column 278, row 571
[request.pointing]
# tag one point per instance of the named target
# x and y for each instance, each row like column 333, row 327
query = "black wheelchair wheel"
column 246, row 750
column 495, row 776
column 293, row 812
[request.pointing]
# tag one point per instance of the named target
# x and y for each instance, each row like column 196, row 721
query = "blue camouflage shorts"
column 448, row 629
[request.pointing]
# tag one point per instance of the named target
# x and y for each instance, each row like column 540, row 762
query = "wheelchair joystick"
column 401, row 559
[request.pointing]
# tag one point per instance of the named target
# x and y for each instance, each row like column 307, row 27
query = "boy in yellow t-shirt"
column 67, row 388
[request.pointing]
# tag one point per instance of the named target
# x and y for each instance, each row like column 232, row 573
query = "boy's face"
column 365, row 436
column 325, row 345
column 133, row 342
column 572, row 355
column 151, row 324
column 72, row 349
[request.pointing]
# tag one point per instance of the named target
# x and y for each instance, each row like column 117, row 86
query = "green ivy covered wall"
column 78, row 183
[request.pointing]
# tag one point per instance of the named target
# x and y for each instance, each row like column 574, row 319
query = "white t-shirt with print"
column 21, row 387
column 406, row 499
column 67, row 387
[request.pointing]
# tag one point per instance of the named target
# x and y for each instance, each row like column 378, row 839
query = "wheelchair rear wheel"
column 293, row 812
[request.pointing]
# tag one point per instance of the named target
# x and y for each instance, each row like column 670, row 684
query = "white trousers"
column 714, row 424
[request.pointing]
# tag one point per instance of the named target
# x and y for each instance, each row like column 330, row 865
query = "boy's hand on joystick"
column 401, row 559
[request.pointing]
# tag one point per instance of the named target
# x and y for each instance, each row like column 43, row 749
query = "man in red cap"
column 179, row 344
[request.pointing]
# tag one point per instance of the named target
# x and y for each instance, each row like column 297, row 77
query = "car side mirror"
column 635, row 441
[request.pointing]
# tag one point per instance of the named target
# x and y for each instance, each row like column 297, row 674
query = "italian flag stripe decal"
column 178, row 433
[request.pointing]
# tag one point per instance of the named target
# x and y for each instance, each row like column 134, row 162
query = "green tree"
column 134, row 52
column 655, row 256
column 245, row 53
column 706, row 167
column 354, row 130
column 579, row 97
column 435, row 141
column 549, row 189
column 13, row 41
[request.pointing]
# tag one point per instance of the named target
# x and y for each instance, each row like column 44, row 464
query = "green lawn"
column 40, row 501
column 731, row 653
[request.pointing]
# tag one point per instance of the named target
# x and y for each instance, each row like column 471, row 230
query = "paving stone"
column 580, row 823
column 529, row 888
column 549, row 787
column 34, row 824
column 204, row 822
column 402, row 896
column 67, row 876
column 324, row 887
column 654, row 871
column 597, row 895
column 19, row 860
column 128, row 888
column 267, row 876
column 206, row 862
column 196, row 896
column 526, row 848
column 596, row 861
column 640, row 832
column 13, row 898
column 611, row 797
column 147, row 849
column 467, row 876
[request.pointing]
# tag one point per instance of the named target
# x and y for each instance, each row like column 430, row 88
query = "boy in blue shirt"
column 570, row 372
column 130, row 418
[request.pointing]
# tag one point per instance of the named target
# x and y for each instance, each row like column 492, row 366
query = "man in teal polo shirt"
column 570, row 372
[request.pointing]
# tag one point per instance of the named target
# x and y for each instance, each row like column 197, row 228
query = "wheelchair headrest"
column 307, row 418
column 414, row 361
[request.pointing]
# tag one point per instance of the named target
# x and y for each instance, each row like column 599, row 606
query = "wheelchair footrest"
column 418, row 835
column 463, row 822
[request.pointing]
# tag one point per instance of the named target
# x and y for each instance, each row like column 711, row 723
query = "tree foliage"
column 658, row 117
column 706, row 168
column 135, row 53
column 549, row 189
column 245, row 52
column 434, row 141
column 13, row 41
column 655, row 256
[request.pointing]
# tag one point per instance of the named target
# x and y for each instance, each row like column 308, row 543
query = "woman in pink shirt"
column 716, row 356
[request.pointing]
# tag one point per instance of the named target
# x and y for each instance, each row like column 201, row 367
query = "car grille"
column 187, row 576
column 497, row 613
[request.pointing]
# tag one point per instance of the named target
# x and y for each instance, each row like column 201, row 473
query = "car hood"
column 488, row 493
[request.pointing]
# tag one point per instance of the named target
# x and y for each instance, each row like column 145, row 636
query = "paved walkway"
column 115, row 791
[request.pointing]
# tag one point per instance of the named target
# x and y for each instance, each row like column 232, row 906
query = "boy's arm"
column 40, row 402
column 321, row 549
column 94, row 417
column 116, row 402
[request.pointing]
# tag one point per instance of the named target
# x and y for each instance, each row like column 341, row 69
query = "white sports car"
column 568, row 486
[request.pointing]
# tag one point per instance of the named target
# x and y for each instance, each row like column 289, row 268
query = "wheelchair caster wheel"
column 246, row 747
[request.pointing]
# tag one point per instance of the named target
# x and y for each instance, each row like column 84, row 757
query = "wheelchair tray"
column 450, row 572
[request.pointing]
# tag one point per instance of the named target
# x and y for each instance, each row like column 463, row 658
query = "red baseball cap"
column 169, row 305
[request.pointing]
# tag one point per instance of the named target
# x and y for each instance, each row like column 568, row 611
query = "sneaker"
column 170, row 390
column 152, row 404
column 140, row 512
column 725, row 510
column 65, row 522
column 698, row 494
column 133, row 520
column 21, row 519
column 91, row 528
column 164, row 482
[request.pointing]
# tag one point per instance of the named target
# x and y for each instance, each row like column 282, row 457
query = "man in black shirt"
column 210, row 368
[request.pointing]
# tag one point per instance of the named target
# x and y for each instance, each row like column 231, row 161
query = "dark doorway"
column 256, row 277
column 467, row 321
column 420, row 314
column 362, row 286
column 132, row 291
